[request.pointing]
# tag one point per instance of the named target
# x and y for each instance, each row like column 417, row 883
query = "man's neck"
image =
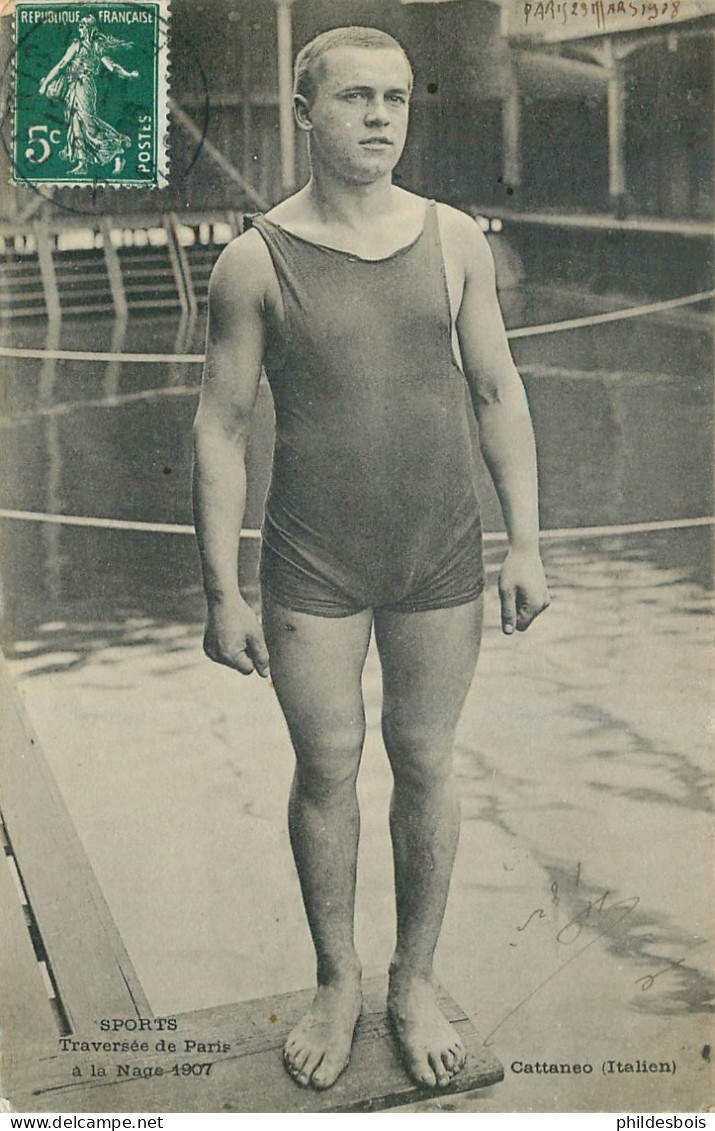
column 370, row 220
column 350, row 205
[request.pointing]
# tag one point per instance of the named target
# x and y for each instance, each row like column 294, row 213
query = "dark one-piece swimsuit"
column 372, row 501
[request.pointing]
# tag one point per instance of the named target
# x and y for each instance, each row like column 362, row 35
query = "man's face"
column 358, row 117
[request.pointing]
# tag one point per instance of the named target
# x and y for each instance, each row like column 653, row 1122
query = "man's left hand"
column 522, row 589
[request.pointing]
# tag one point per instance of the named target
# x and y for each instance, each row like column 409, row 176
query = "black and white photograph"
column 356, row 556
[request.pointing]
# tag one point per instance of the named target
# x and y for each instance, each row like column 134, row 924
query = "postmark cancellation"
column 91, row 93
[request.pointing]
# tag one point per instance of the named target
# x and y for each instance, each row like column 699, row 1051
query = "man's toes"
column 421, row 1072
column 442, row 1076
column 327, row 1072
column 460, row 1056
column 323, row 1079
column 290, row 1058
column 295, row 1060
column 310, row 1064
column 294, row 1068
column 449, row 1059
column 294, row 1053
column 290, row 1051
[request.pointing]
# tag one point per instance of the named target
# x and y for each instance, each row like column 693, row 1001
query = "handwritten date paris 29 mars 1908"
column 598, row 12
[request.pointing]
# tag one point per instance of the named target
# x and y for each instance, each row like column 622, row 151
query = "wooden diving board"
column 249, row 1077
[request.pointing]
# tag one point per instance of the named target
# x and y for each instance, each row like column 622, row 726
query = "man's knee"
column 330, row 763
column 419, row 755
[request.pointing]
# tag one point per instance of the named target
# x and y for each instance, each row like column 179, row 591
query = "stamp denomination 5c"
column 91, row 92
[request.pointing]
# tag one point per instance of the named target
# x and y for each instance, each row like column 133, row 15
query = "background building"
column 583, row 125
column 504, row 106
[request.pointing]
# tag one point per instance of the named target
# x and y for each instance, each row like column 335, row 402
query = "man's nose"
column 377, row 112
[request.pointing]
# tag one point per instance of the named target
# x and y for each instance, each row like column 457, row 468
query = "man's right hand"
column 234, row 637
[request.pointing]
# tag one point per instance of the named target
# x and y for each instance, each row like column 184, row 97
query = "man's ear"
column 301, row 110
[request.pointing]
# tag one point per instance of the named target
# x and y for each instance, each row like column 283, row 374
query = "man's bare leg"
column 428, row 662
column 316, row 667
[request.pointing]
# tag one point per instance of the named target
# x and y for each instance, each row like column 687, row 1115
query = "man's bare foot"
column 431, row 1048
column 318, row 1049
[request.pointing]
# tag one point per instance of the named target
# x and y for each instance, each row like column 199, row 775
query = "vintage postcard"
column 500, row 733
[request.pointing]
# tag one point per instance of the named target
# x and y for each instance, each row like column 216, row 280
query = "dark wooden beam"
column 87, row 958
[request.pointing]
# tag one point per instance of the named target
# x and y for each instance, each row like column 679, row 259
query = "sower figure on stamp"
column 372, row 310
column 90, row 140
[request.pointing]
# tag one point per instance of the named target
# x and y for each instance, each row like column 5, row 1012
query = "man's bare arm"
column 505, row 430
column 234, row 354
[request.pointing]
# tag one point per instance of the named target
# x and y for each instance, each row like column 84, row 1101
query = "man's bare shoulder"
column 454, row 220
column 242, row 273
column 464, row 241
column 409, row 203
column 293, row 209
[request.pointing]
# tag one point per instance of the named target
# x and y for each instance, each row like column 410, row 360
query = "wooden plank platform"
column 89, row 962
column 248, row 1077
column 24, row 1001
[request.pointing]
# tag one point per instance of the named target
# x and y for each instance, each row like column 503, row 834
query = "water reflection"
column 114, row 367
column 53, row 501
column 186, row 342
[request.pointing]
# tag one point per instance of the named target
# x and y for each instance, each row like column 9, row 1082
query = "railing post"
column 47, row 270
column 114, row 271
column 180, row 265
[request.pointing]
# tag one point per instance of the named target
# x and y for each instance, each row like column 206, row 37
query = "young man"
column 359, row 298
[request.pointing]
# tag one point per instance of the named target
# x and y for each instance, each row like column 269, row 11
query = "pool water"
column 621, row 413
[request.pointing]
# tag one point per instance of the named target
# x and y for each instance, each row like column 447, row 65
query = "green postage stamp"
column 91, row 93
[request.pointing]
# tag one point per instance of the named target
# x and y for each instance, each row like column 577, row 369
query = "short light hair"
column 305, row 77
